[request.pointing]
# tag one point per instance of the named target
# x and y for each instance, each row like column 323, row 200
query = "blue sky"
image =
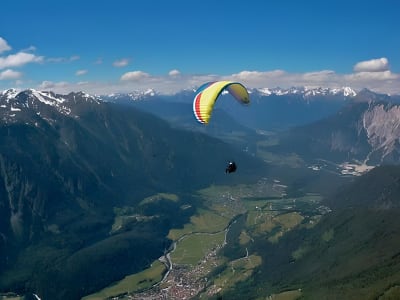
column 105, row 47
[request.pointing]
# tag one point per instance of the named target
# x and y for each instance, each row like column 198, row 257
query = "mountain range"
column 270, row 107
column 74, row 167
column 367, row 132
column 70, row 165
column 339, row 124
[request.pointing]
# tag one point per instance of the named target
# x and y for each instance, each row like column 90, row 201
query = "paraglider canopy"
column 231, row 167
column 207, row 94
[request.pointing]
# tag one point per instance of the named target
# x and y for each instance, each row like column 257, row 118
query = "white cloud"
column 55, row 59
column 4, row 45
column 261, row 79
column 81, row 72
column 121, row 63
column 174, row 73
column 19, row 59
column 324, row 74
column 135, row 76
column 63, row 59
column 258, row 74
column 29, row 49
column 373, row 65
column 10, row 74
column 74, row 58
column 380, row 81
column 375, row 76
column 55, row 86
column 98, row 61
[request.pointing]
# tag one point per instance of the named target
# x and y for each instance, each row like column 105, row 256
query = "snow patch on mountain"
column 135, row 95
column 347, row 91
column 306, row 92
column 14, row 103
column 9, row 94
column 47, row 98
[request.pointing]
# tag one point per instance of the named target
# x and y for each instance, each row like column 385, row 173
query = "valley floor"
column 196, row 266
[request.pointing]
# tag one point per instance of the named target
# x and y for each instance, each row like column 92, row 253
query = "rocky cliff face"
column 18, row 191
column 382, row 126
column 367, row 132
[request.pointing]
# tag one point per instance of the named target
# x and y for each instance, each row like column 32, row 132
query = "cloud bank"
column 121, row 63
column 174, row 81
column 374, row 74
column 4, row 45
column 373, row 65
column 10, row 74
column 135, row 76
column 18, row 60
column 81, row 72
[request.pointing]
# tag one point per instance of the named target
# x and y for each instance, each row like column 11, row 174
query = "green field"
column 287, row 295
column 205, row 221
column 293, row 160
column 159, row 197
column 193, row 248
column 132, row 283
column 236, row 271
column 10, row 296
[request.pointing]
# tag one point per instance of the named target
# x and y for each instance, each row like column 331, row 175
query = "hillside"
column 356, row 248
column 360, row 132
column 352, row 253
column 270, row 109
column 91, row 190
column 70, row 165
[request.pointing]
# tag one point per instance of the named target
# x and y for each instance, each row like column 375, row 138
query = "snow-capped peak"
column 14, row 103
column 47, row 97
column 135, row 95
column 264, row 91
column 347, row 91
column 9, row 94
column 307, row 91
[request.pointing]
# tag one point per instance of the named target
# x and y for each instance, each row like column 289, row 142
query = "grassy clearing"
column 328, row 235
column 237, row 270
column 205, row 221
column 120, row 222
column 244, row 238
column 193, row 248
column 288, row 295
column 262, row 222
column 262, row 189
column 289, row 220
column 259, row 203
column 214, row 191
column 300, row 252
column 285, row 222
column 10, row 297
column 392, row 293
column 291, row 160
column 158, row 197
column 132, row 283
